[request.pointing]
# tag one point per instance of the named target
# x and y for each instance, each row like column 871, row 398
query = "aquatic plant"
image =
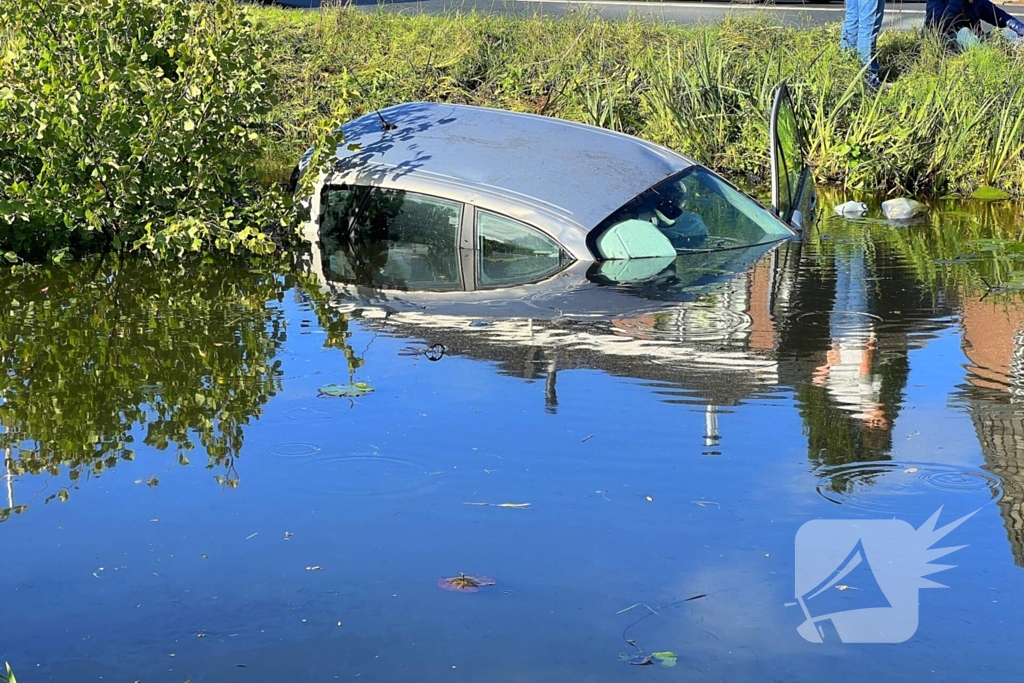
column 464, row 583
column 9, row 678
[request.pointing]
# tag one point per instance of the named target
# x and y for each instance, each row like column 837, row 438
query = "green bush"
column 132, row 124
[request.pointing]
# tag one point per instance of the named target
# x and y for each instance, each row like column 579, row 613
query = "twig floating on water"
column 517, row 506
column 639, row 604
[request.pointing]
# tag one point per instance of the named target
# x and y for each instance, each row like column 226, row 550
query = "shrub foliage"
column 132, row 123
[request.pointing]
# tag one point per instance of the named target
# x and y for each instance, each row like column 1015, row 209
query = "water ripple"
column 873, row 486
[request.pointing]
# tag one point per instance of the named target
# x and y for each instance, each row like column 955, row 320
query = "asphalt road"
column 898, row 15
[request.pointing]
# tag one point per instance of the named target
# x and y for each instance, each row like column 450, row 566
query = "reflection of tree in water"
column 334, row 322
column 91, row 356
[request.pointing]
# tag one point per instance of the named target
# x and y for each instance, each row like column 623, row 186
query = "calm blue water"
column 669, row 438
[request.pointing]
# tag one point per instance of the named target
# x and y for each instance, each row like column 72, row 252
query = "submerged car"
column 419, row 186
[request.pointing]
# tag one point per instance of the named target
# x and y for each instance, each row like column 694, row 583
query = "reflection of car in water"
column 701, row 321
column 533, row 193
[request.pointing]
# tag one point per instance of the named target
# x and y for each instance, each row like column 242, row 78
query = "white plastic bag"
column 903, row 209
column 852, row 210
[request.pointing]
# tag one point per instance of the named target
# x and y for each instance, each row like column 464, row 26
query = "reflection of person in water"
column 848, row 376
column 849, row 370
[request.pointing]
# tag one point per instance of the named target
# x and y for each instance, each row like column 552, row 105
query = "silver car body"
column 560, row 177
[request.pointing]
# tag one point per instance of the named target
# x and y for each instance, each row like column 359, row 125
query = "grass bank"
column 944, row 124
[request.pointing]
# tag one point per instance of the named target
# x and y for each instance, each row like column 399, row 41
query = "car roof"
column 580, row 172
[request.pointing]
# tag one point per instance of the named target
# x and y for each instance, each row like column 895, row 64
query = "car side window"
column 391, row 238
column 510, row 253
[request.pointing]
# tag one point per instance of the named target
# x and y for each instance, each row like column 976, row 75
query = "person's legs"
column 849, row 41
column 869, row 25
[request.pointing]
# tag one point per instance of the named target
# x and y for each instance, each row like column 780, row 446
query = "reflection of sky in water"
column 602, row 426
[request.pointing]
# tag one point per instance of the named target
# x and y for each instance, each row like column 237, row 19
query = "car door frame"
column 803, row 200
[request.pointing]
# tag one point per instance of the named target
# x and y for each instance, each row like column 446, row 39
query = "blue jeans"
column 861, row 28
column 949, row 16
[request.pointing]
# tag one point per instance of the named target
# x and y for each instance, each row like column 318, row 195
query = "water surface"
column 182, row 501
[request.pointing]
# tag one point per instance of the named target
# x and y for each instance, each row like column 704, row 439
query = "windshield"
column 698, row 211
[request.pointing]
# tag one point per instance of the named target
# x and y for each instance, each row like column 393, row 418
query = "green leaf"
column 354, row 390
column 667, row 659
column 990, row 194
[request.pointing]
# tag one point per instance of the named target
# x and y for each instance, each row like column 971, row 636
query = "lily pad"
column 990, row 194
column 464, row 583
column 667, row 659
column 354, row 390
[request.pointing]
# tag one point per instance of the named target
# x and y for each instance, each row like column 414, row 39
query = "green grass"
column 945, row 124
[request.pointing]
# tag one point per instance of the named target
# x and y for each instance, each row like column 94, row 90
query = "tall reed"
column 944, row 123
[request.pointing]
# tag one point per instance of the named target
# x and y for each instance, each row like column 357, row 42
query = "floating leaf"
column 153, row 481
column 463, row 583
column 353, row 390
column 667, row 659
column 990, row 194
